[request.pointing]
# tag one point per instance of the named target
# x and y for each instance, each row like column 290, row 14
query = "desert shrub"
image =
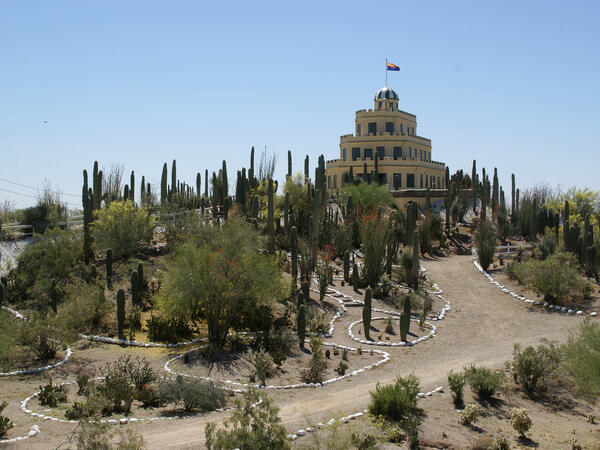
column 456, row 382
column 324, row 274
column 98, row 436
column 122, row 227
column 556, row 278
column 263, row 365
column 342, row 239
column 5, row 423
column 124, row 379
column 53, row 394
column 534, row 367
column 395, row 401
column 83, row 383
column 520, row 420
column 44, row 268
column 193, row 395
column 339, row 436
column 425, row 234
column 581, row 359
column 94, row 405
column 83, row 308
column 9, row 328
column 366, row 197
column 410, row 426
column 254, row 424
column 315, row 372
column 501, row 443
column 483, row 381
column 389, row 325
column 485, row 242
column 40, row 338
column 165, row 329
column 546, row 247
column 225, row 282
column 341, row 368
column 317, row 322
column 469, row 415
column 148, row 396
column 385, row 287
column 373, row 235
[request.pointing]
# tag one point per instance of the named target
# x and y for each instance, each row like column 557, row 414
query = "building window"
column 344, row 154
column 401, row 129
column 358, row 130
column 421, row 182
column 389, row 127
column 421, row 155
column 368, row 153
column 355, row 153
column 372, row 128
column 381, row 152
column 432, row 182
column 335, row 181
column 379, row 105
column 438, row 183
column 382, row 178
column 329, row 181
column 391, row 106
column 410, row 180
column 397, row 152
column 426, row 181
column 397, row 181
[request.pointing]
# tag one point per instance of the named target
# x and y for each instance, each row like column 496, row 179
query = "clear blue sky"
column 513, row 84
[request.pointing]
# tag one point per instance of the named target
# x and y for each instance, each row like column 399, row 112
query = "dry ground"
column 481, row 329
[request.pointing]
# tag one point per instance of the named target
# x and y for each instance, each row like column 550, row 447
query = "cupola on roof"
column 386, row 94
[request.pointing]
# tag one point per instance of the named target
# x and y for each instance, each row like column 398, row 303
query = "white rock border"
column 33, row 431
column 66, row 359
column 391, row 344
column 552, row 308
column 122, row 421
column 348, row 418
column 386, row 358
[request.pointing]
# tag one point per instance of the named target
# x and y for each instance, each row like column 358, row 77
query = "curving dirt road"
column 481, row 328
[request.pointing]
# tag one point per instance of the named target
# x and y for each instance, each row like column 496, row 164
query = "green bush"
column 485, row 243
column 483, row 381
column 581, row 359
column 94, row 405
column 456, row 382
column 163, row 329
column 469, row 415
column 193, row 395
column 122, row 227
column 535, row 367
column 40, row 338
column 366, row 197
column 546, row 247
column 254, row 424
column 315, row 372
column 341, row 368
column 395, row 401
column 5, row 423
column 556, row 278
column 124, row 379
column 98, row 436
column 53, row 394
column 324, row 274
column 263, row 365
column 83, row 308
column 373, row 235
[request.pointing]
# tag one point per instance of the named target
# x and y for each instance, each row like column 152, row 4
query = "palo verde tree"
column 222, row 279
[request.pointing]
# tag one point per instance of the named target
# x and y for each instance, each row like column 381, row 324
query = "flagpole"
column 386, row 71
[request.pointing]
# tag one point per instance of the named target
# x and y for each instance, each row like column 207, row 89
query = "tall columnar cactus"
column 427, row 200
column 366, row 312
column 474, row 184
column 270, row 218
column 289, row 172
column 415, row 259
column 88, row 205
column 126, row 192
column 286, row 212
column 294, row 248
column 306, row 172
column 121, row 313
column 533, row 221
column 251, row 169
column 301, row 325
column 173, row 190
column 405, row 319
column 513, row 210
column 198, row 184
column 495, row 194
column 225, row 186
column 135, row 294
column 566, row 226
column 346, row 266
column 132, row 187
column 109, row 256
column 355, row 277
column 304, row 296
column 141, row 279
column 255, row 202
column 96, row 187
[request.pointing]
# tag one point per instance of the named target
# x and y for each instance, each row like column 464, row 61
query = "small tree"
column 520, row 420
column 485, row 242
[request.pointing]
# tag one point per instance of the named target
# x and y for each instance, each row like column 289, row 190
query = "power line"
column 32, row 196
column 32, row 187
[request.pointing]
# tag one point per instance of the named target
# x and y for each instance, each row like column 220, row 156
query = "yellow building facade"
column 404, row 163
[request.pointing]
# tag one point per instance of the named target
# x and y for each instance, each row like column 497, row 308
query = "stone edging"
column 347, row 419
column 386, row 358
column 67, row 357
column 391, row 344
column 553, row 308
column 35, row 429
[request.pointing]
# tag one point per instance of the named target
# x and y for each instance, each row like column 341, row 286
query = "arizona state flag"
column 393, row 67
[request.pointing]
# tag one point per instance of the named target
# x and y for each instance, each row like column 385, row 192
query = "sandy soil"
column 481, row 329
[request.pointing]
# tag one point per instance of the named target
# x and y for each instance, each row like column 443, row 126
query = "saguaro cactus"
column 121, row 313
column 366, row 312
column 286, row 212
column 270, row 218
column 301, row 325
column 109, row 255
column 566, row 226
column 294, row 245
column 304, row 293
column 355, row 277
column 474, row 184
column 405, row 319
column 415, row 259
column 346, row 266
column 135, row 294
column 289, row 172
